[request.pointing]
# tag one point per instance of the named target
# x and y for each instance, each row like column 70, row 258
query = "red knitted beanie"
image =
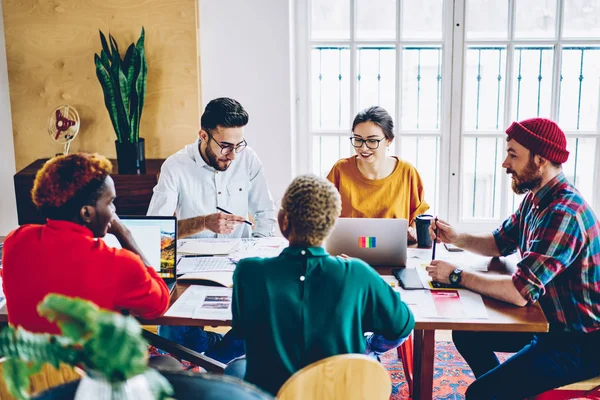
column 542, row 137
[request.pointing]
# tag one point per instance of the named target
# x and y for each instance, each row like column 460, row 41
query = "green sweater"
column 306, row 305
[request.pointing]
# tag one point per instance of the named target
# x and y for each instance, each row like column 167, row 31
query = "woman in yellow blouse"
column 372, row 184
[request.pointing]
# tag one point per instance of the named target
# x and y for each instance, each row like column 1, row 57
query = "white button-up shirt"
column 188, row 187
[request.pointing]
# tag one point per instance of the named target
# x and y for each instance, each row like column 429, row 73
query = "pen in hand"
column 435, row 230
column 230, row 213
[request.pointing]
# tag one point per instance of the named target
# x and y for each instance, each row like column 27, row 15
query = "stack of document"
column 211, row 269
column 197, row 264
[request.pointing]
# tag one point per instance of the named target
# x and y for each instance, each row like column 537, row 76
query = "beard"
column 213, row 160
column 529, row 179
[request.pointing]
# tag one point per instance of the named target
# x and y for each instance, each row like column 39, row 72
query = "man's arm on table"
column 500, row 287
column 484, row 244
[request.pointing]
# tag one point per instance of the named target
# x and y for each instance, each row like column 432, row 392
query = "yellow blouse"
column 399, row 195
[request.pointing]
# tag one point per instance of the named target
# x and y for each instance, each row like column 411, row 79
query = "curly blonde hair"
column 312, row 205
column 65, row 183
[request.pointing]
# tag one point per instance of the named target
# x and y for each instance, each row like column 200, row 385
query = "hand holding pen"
column 223, row 222
column 237, row 217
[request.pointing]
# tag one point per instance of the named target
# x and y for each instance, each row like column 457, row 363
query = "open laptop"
column 157, row 239
column 376, row 241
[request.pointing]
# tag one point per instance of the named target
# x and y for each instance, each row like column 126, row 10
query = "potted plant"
column 108, row 346
column 123, row 82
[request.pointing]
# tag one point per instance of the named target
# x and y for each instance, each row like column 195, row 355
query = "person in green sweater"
column 306, row 305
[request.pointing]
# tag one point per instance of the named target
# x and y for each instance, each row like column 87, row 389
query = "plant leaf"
column 128, row 59
column 141, row 81
column 104, row 43
column 117, row 78
column 105, row 60
column 108, row 89
column 113, row 45
column 74, row 317
column 16, row 377
column 133, row 73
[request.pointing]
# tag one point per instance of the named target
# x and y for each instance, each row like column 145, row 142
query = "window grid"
column 512, row 111
column 518, row 94
column 323, row 155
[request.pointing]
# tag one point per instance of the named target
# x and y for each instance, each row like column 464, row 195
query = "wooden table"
column 502, row 317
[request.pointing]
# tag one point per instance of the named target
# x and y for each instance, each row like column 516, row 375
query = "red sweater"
column 63, row 257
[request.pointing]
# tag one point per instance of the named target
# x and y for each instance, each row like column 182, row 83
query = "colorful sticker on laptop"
column 367, row 242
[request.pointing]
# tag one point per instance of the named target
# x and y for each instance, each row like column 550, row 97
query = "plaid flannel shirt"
column 558, row 236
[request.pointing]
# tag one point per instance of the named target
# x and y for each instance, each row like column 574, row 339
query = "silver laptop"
column 376, row 241
column 157, row 239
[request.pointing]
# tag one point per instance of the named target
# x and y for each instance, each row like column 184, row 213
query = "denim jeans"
column 213, row 345
column 377, row 344
column 542, row 361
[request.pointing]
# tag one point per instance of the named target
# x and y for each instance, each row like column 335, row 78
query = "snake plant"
column 103, row 341
column 123, row 82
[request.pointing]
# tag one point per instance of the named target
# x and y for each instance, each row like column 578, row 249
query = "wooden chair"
column 47, row 378
column 589, row 389
column 405, row 354
column 346, row 376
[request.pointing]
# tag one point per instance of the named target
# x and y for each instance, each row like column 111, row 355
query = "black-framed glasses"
column 228, row 148
column 371, row 143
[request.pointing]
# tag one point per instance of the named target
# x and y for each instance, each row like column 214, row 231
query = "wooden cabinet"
column 133, row 191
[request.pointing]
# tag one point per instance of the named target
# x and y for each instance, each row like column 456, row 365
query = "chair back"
column 346, row 376
column 47, row 378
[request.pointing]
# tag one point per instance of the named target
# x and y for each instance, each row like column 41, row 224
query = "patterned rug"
column 451, row 374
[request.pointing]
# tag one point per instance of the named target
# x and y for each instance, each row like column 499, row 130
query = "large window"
column 454, row 75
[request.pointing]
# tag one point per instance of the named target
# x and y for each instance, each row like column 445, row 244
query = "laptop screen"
column 157, row 239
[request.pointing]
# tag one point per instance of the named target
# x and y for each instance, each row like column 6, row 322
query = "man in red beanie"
column 558, row 237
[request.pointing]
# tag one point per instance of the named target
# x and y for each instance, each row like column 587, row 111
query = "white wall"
column 246, row 55
column 8, row 208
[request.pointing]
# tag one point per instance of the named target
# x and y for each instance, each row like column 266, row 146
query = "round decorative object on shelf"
column 63, row 126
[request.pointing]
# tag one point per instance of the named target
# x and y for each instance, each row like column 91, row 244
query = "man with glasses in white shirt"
column 217, row 170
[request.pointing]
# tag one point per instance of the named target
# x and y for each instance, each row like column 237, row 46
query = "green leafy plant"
column 123, row 82
column 103, row 341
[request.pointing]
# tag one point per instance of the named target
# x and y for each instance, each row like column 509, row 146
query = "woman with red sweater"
column 67, row 255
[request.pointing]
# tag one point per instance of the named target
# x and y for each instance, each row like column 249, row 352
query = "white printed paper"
column 203, row 302
column 207, row 247
column 259, row 247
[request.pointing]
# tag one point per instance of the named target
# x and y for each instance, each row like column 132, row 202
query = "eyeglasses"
column 371, row 143
column 228, row 148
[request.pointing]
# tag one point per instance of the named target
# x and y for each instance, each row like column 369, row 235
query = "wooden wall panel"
column 50, row 46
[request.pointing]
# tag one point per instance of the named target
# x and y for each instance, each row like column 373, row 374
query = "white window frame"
column 454, row 45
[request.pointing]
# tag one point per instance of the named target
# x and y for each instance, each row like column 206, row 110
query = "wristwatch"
column 456, row 276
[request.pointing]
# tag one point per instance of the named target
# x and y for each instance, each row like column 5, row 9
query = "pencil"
column 435, row 241
column 230, row 213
